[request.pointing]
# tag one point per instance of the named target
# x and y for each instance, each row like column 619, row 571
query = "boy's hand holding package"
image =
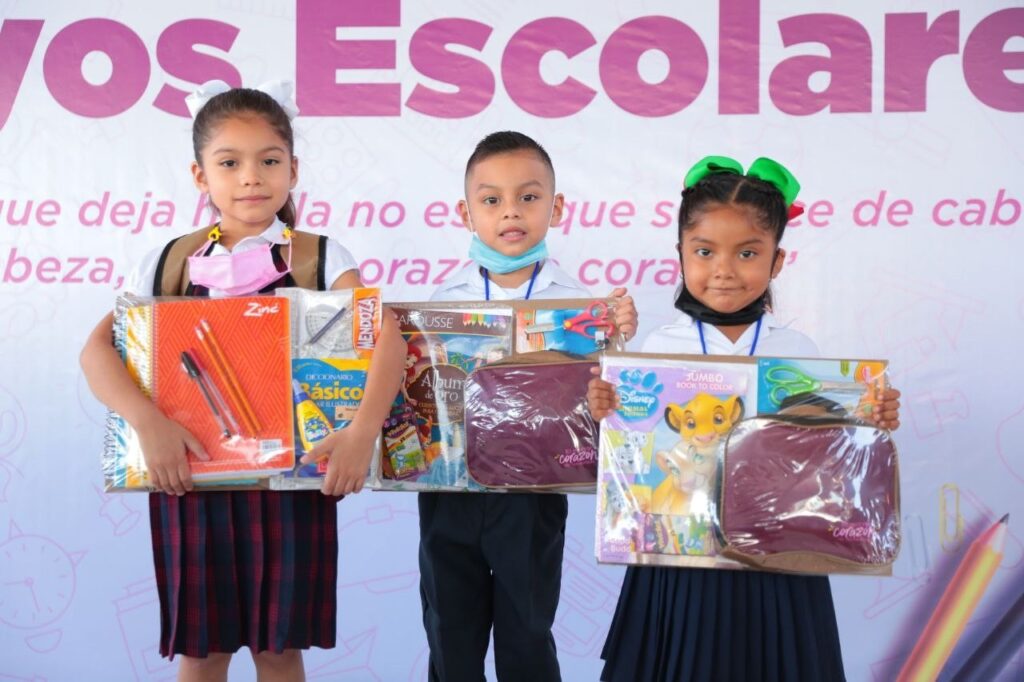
column 626, row 319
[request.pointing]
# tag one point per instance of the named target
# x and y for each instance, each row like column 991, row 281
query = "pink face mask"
column 236, row 274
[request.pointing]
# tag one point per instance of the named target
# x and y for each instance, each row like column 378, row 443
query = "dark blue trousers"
column 491, row 559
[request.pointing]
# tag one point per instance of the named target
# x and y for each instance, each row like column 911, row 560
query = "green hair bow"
column 768, row 170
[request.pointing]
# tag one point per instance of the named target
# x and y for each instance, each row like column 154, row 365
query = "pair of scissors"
column 787, row 381
column 593, row 320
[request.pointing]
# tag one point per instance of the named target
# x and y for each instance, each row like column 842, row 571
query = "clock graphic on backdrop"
column 37, row 580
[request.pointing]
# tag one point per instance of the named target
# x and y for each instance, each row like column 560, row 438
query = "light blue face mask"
column 496, row 261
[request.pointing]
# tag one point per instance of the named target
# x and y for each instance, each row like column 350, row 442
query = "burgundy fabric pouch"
column 527, row 423
column 810, row 495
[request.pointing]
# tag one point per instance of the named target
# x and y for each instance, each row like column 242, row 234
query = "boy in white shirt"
column 497, row 558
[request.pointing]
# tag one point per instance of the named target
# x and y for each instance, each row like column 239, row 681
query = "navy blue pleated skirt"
column 675, row 624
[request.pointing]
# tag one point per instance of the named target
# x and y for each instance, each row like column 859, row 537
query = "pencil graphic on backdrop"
column 227, row 375
column 958, row 602
column 998, row 647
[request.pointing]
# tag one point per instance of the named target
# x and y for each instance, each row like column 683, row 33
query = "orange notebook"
column 220, row 367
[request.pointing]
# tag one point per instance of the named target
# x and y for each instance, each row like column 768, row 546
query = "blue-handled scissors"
column 787, row 381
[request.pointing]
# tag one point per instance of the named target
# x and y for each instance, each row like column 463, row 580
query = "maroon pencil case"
column 527, row 423
column 810, row 494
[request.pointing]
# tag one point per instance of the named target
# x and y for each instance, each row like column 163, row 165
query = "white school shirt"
column 468, row 285
column 775, row 340
column 337, row 262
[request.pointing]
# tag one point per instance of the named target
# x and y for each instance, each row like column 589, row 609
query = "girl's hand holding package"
column 626, row 319
column 348, row 452
column 165, row 444
column 886, row 411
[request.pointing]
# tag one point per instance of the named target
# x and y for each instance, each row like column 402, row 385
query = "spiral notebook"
column 232, row 391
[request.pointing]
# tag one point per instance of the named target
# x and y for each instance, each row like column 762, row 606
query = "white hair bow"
column 283, row 92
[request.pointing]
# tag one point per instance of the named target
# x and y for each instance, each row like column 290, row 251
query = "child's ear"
column 295, row 172
column 199, row 178
column 556, row 210
column 780, row 260
column 463, row 209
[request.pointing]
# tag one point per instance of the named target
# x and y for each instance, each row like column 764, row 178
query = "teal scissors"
column 787, row 381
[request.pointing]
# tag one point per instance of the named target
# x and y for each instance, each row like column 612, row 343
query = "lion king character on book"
column 690, row 465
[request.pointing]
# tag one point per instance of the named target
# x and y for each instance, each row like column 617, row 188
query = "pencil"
column 958, row 602
column 209, row 341
column 218, row 397
column 998, row 647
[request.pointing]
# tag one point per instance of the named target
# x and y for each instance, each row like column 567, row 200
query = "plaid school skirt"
column 245, row 569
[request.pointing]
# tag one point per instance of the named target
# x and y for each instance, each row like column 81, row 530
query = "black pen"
column 189, row 365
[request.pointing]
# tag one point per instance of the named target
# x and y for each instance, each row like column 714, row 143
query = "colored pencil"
column 958, row 602
column 227, row 375
column 218, row 397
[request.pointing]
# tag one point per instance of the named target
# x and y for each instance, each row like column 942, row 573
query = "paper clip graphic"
column 951, row 521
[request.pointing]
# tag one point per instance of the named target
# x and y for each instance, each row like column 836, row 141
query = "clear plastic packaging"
column 577, row 326
column 528, row 426
column 658, row 456
column 219, row 367
column 333, row 334
column 811, row 494
column 662, row 458
column 424, row 437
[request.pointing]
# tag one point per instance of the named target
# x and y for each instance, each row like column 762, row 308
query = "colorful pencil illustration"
column 998, row 647
column 958, row 602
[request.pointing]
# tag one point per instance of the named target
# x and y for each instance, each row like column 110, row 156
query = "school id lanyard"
column 753, row 346
column 529, row 289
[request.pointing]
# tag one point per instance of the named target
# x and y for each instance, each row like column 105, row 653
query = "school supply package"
column 333, row 334
column 451, row 348
column 424, row 436
column 528, row 426
column 219, row 367
column 227, row 370
column 727, row 462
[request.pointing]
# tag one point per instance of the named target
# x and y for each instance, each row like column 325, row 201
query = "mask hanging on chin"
column 495, row 261
column 237, row 274
column 687, row 303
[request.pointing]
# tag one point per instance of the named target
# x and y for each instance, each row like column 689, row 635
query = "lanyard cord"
column 529, row 289
column 753, row 346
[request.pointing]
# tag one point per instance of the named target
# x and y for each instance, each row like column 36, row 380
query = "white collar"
column 274, row 234
column 471, row 277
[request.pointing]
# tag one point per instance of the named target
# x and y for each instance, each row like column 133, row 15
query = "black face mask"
column 698, row 311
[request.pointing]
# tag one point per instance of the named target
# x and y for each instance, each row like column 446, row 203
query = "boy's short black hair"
column 507, row 141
